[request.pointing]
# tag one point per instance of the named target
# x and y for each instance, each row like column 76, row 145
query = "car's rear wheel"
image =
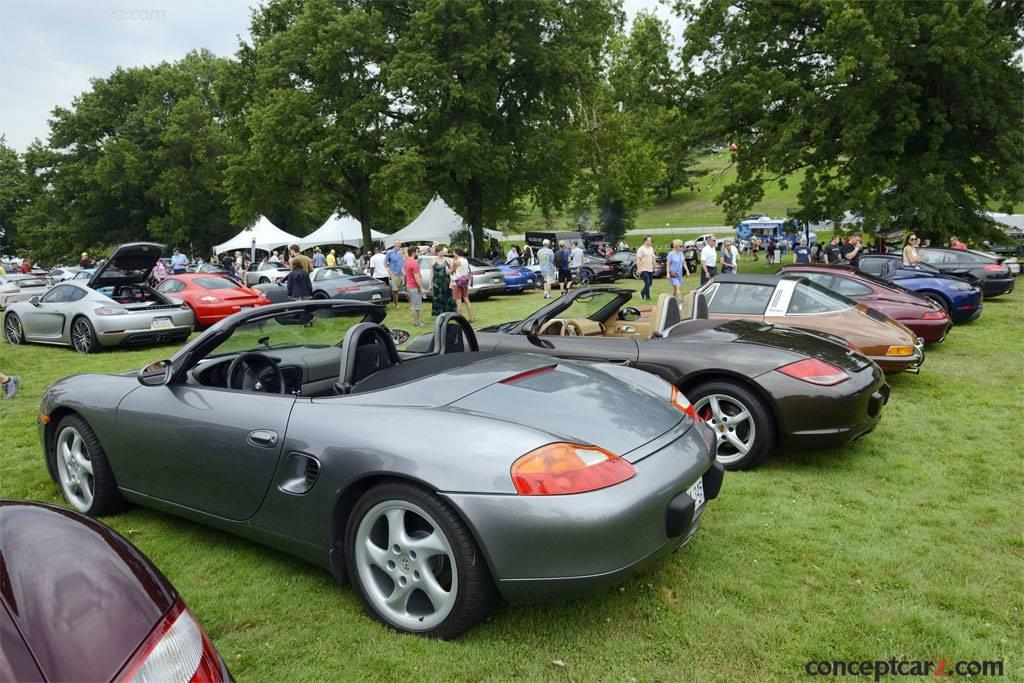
column 83, row 472
column 938, row 300
column 264, row 280
column 83, row 336
column 633, row 273
column 319, row 295
column 744, row 429
column 14, row 333
column 414, row 564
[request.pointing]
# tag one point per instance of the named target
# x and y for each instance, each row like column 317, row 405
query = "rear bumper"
column 136, row 328
column 930, row 331
column 175, row 334
column 542, row 548
column 817, row 418
column 997, row 286
column 910, row 363
column 487, row 288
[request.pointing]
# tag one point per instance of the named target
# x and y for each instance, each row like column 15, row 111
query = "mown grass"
column 907, row 543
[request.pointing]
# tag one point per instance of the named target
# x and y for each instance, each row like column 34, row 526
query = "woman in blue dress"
column 677, row 268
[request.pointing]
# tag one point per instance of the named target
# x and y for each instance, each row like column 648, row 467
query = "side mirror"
column 35, row 301
column 155, row 374
column 399, row 336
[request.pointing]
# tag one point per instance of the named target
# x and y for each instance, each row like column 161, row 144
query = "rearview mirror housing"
column 35, row 301
column 155, row 374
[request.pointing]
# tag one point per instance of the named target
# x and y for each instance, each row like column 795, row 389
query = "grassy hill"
column 686, row 208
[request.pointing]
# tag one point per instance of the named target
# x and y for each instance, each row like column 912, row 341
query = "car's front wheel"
column 14, row 333
column 633, row 273
column 83, row 472
column 414, row 564
column 938, row 300
column 83, row 336
column 264, row 280
column 744, row 429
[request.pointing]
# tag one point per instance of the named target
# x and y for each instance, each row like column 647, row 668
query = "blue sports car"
column 959, row 296
column 518, row 278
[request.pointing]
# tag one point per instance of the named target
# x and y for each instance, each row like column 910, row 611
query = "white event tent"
column 338, row 230
column 267, row 236
column 436, row 223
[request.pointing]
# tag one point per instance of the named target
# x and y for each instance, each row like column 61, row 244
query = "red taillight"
column 934, row 315
column 176, row 651
column 679, row 401
column 563, row 468
column 815, row 371
column 993, row 266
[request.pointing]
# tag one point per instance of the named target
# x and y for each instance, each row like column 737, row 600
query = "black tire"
column 586, row 276
column 319, row 295
column 476, row 593
column 14, row 331
column 765, row 434
column 83, row 336
column 107, row 499
column 264, row 281
column 937, row 299
column 633, row 273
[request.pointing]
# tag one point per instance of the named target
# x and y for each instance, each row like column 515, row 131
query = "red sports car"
column 928, row 320
column 211, row 297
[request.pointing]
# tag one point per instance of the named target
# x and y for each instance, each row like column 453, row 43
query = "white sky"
column 49, row 49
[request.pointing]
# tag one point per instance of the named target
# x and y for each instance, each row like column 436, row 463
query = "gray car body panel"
column 182, row 448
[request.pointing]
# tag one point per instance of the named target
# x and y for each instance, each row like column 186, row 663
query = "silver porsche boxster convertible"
column 300, row 426
column 111, row 307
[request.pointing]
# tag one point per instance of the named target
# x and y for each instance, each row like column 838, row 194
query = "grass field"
column 908, row 544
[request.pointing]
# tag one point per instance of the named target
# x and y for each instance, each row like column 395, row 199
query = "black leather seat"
column 367, row 349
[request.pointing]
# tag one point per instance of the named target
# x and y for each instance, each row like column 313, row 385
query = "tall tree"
column 316, row 116
column 489, row 88
column 140, row 155
column 907, row 113
column 14, row 194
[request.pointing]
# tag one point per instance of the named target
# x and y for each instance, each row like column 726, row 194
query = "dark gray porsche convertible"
column 300, row 426
column 758, row 385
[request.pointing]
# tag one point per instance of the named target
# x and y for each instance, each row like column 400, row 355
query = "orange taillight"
column 563, row 468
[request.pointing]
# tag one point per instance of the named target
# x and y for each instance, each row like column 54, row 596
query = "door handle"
column 264, row 438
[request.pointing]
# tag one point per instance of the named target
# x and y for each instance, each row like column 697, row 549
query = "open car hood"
column 129, row 264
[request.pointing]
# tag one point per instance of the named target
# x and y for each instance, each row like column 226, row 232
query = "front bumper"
column 819, row 418
column 910, row 363
column 542, row 548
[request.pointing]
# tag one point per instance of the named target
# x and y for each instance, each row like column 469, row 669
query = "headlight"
column 961, row 286
column 109, row 310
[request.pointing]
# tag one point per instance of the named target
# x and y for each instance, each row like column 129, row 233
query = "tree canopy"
column 907, row 113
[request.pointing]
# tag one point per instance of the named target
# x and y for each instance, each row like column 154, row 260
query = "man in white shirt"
column 577, row 256
column 379, row 267
column 349, row 258
column 708, row 259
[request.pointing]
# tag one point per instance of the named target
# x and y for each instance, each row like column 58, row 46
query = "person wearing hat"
column 179, row 262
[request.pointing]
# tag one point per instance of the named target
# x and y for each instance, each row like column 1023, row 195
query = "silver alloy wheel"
column 81, row 336
column 12, row 329
column 733, row 424
column 74, row 469
column 409, row 576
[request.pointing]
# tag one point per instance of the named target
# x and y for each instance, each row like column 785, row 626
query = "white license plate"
column 376, row 297
column 697, row 493
column 161, row 324
column 242, row 308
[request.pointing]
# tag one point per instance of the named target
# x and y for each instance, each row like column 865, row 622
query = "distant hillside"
column 686, row 208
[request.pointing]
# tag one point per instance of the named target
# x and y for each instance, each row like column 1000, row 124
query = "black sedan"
column 625, row 261
column 596, row 269
column 759, row 385
column 80, row 603
column 994, row 277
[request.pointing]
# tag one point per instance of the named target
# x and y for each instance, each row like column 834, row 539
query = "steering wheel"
column 571, row 328
column 629, row 310
column 254, row 371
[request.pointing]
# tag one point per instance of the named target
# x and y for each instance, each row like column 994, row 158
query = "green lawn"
column 908, row 543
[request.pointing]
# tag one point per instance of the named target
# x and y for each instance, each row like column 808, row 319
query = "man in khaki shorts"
column 396, row 262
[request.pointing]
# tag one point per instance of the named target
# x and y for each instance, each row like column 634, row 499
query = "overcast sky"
column 49, row 49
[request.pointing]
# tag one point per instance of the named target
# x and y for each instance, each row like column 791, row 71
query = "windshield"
column 319, row 327
column 592, row 306
column 810, row 297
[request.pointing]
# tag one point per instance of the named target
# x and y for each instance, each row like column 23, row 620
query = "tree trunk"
column 475, row 215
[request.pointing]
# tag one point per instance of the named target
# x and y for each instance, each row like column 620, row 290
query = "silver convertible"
column 279, row 424
column 114, row 306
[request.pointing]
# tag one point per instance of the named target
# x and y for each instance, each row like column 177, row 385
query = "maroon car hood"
column 82, row 596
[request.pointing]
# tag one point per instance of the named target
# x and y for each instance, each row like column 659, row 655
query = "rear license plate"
column 376, row 297
column 161, row 324
column 697, row 493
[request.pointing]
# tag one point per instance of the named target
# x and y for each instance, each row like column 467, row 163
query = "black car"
column 596, row 269
column 759, row 385
column 994, row 277
column 625, row 261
